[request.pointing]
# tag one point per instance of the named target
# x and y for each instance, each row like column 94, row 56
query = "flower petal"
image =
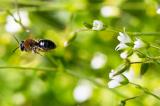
column 111, row 74
column 121, row 46
column 123, row 38
column 139, row 44
column 124, row 55
column 113, row 84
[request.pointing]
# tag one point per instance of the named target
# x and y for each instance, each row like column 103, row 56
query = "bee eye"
column 22, row 45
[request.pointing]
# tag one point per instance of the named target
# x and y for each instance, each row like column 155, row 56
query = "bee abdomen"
column 46, row 44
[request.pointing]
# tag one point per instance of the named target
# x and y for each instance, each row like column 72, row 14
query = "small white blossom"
column 117, row 80
column 113, row 84
column 97, row 25
column 139, row 44
column 110, row 11
column 123, row 38
column 99, row 60
column 158, row 10
column 124, row 54
column 83, row 91
column 121, row 46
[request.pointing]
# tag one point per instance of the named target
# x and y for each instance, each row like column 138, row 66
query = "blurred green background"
column 77, row 74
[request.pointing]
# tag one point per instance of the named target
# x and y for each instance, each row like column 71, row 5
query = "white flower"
column 121, row 46
column 117, row 80
column 110, row 11
column 99, row 60
column 97, row 25
column 111, row 74
column 113, row 84
column 139, row 44
column 83, row 91
column 158, row 10
column 124, row 54
column 123, row 38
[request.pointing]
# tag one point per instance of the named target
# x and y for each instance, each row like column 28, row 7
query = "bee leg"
column 39, row 53
column 35, row 51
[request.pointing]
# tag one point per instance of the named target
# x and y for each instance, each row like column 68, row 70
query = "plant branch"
column 145, row 90
column 123, row 102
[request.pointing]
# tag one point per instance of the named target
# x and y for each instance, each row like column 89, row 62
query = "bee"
column 35, row 46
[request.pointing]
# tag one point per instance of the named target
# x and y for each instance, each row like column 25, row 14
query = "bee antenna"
column 16, row 39
column 15, row 49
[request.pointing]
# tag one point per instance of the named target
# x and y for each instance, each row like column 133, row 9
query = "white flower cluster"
column 117, row 80
column 127, row 45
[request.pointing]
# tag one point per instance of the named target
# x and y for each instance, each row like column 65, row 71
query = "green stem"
column 148, row 58
column 137, row 62
column 154, row 46
column 129, row 98
column 143, row 33
column 145, row 90
column 130, row 33
column 27, row 68
column 140, row 62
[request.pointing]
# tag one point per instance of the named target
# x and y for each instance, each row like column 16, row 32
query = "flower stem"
column 130, row 98
column 134, row 33
column 143, row 33
column 154, row 46
column 123, row 102
column 145, row 90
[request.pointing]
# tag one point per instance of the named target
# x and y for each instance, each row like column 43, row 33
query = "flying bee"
column 42, row 45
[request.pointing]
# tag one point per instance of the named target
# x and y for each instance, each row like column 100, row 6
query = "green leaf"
column 144, row 68
column 122, row 68
column 141, row 55
column 72, row 37
column 129, row 44
column 125, row 80
column 87, row 25
column 123, row 103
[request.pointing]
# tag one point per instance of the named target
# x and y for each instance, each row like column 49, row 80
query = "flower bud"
column 140, row 44
column 97, row 25
column 122, row 68
column 71, row 38
column 118, row 81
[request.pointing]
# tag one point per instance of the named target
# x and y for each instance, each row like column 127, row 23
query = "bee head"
column 22, row 46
